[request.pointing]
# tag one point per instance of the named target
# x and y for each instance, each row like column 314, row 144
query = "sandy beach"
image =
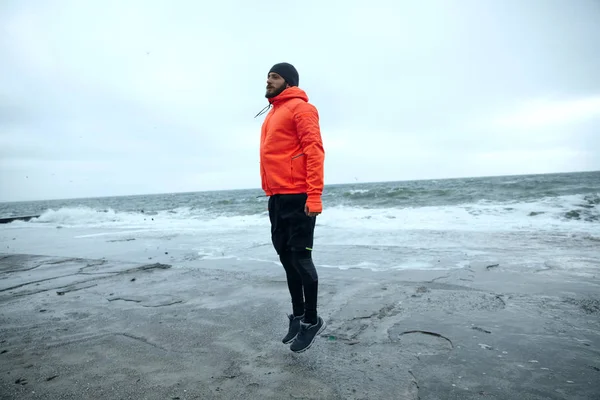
column 78, row 328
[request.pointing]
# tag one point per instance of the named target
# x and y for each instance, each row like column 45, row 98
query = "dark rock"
column 573, row 214
column 480, row 329
column 22, row 218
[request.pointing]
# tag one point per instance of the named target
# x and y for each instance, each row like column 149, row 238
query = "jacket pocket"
column 298, row 169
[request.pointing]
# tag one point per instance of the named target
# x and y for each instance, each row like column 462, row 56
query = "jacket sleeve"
column 306, row 118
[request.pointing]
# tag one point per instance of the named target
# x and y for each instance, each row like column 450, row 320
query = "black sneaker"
column 307, row 335
column 293, row 329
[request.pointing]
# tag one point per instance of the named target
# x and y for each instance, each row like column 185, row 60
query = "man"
column 292, row 157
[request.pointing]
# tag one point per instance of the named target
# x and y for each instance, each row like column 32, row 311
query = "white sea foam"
column 545, row 214
column 182, row 218
column 361, row 265
column 542, row 215
column 358, row 191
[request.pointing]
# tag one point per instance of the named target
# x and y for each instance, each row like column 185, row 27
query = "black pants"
column 292, row 233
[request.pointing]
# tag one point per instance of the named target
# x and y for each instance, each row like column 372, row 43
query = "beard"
column 275, row 91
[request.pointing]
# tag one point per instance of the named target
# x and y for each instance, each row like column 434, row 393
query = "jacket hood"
column 293, row 92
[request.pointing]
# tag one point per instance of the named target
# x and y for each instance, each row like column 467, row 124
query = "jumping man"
column 291, row 158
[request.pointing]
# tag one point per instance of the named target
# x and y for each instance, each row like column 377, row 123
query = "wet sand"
column 77, row 328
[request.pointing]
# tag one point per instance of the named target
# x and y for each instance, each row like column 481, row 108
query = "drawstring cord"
column 264, row 110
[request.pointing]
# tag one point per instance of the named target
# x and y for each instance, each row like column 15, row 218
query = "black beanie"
column 287, row 72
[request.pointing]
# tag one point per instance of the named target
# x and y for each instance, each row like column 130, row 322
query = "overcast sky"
column 103, row 98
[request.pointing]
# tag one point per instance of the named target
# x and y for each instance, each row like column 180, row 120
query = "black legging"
column 301, row 277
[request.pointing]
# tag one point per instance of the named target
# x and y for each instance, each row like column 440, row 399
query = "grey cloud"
column 137, row 97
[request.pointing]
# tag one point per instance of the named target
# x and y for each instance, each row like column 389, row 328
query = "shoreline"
column 77, row 328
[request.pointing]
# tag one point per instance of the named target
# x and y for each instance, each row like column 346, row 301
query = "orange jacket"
column 291, row 148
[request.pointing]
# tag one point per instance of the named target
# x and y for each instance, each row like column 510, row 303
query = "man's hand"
column 310, row 214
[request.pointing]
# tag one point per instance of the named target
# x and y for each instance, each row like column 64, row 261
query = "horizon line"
column 326, row 185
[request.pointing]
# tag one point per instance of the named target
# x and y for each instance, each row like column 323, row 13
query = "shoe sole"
column 312, row 341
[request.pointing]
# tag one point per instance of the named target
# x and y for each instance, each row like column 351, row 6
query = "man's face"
column 275, row 85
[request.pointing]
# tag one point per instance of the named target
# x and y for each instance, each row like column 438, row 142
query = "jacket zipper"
column 262, row 164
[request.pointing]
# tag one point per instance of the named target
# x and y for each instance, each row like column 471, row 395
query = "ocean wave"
column 398, row 196
column 356, row 194
column 182, row 218
column 75, row 216
column 549, row 213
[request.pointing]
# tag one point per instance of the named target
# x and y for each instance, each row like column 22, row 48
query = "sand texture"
column 73, row 328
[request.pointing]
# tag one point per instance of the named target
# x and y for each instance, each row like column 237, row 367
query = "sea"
column 423, row 224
